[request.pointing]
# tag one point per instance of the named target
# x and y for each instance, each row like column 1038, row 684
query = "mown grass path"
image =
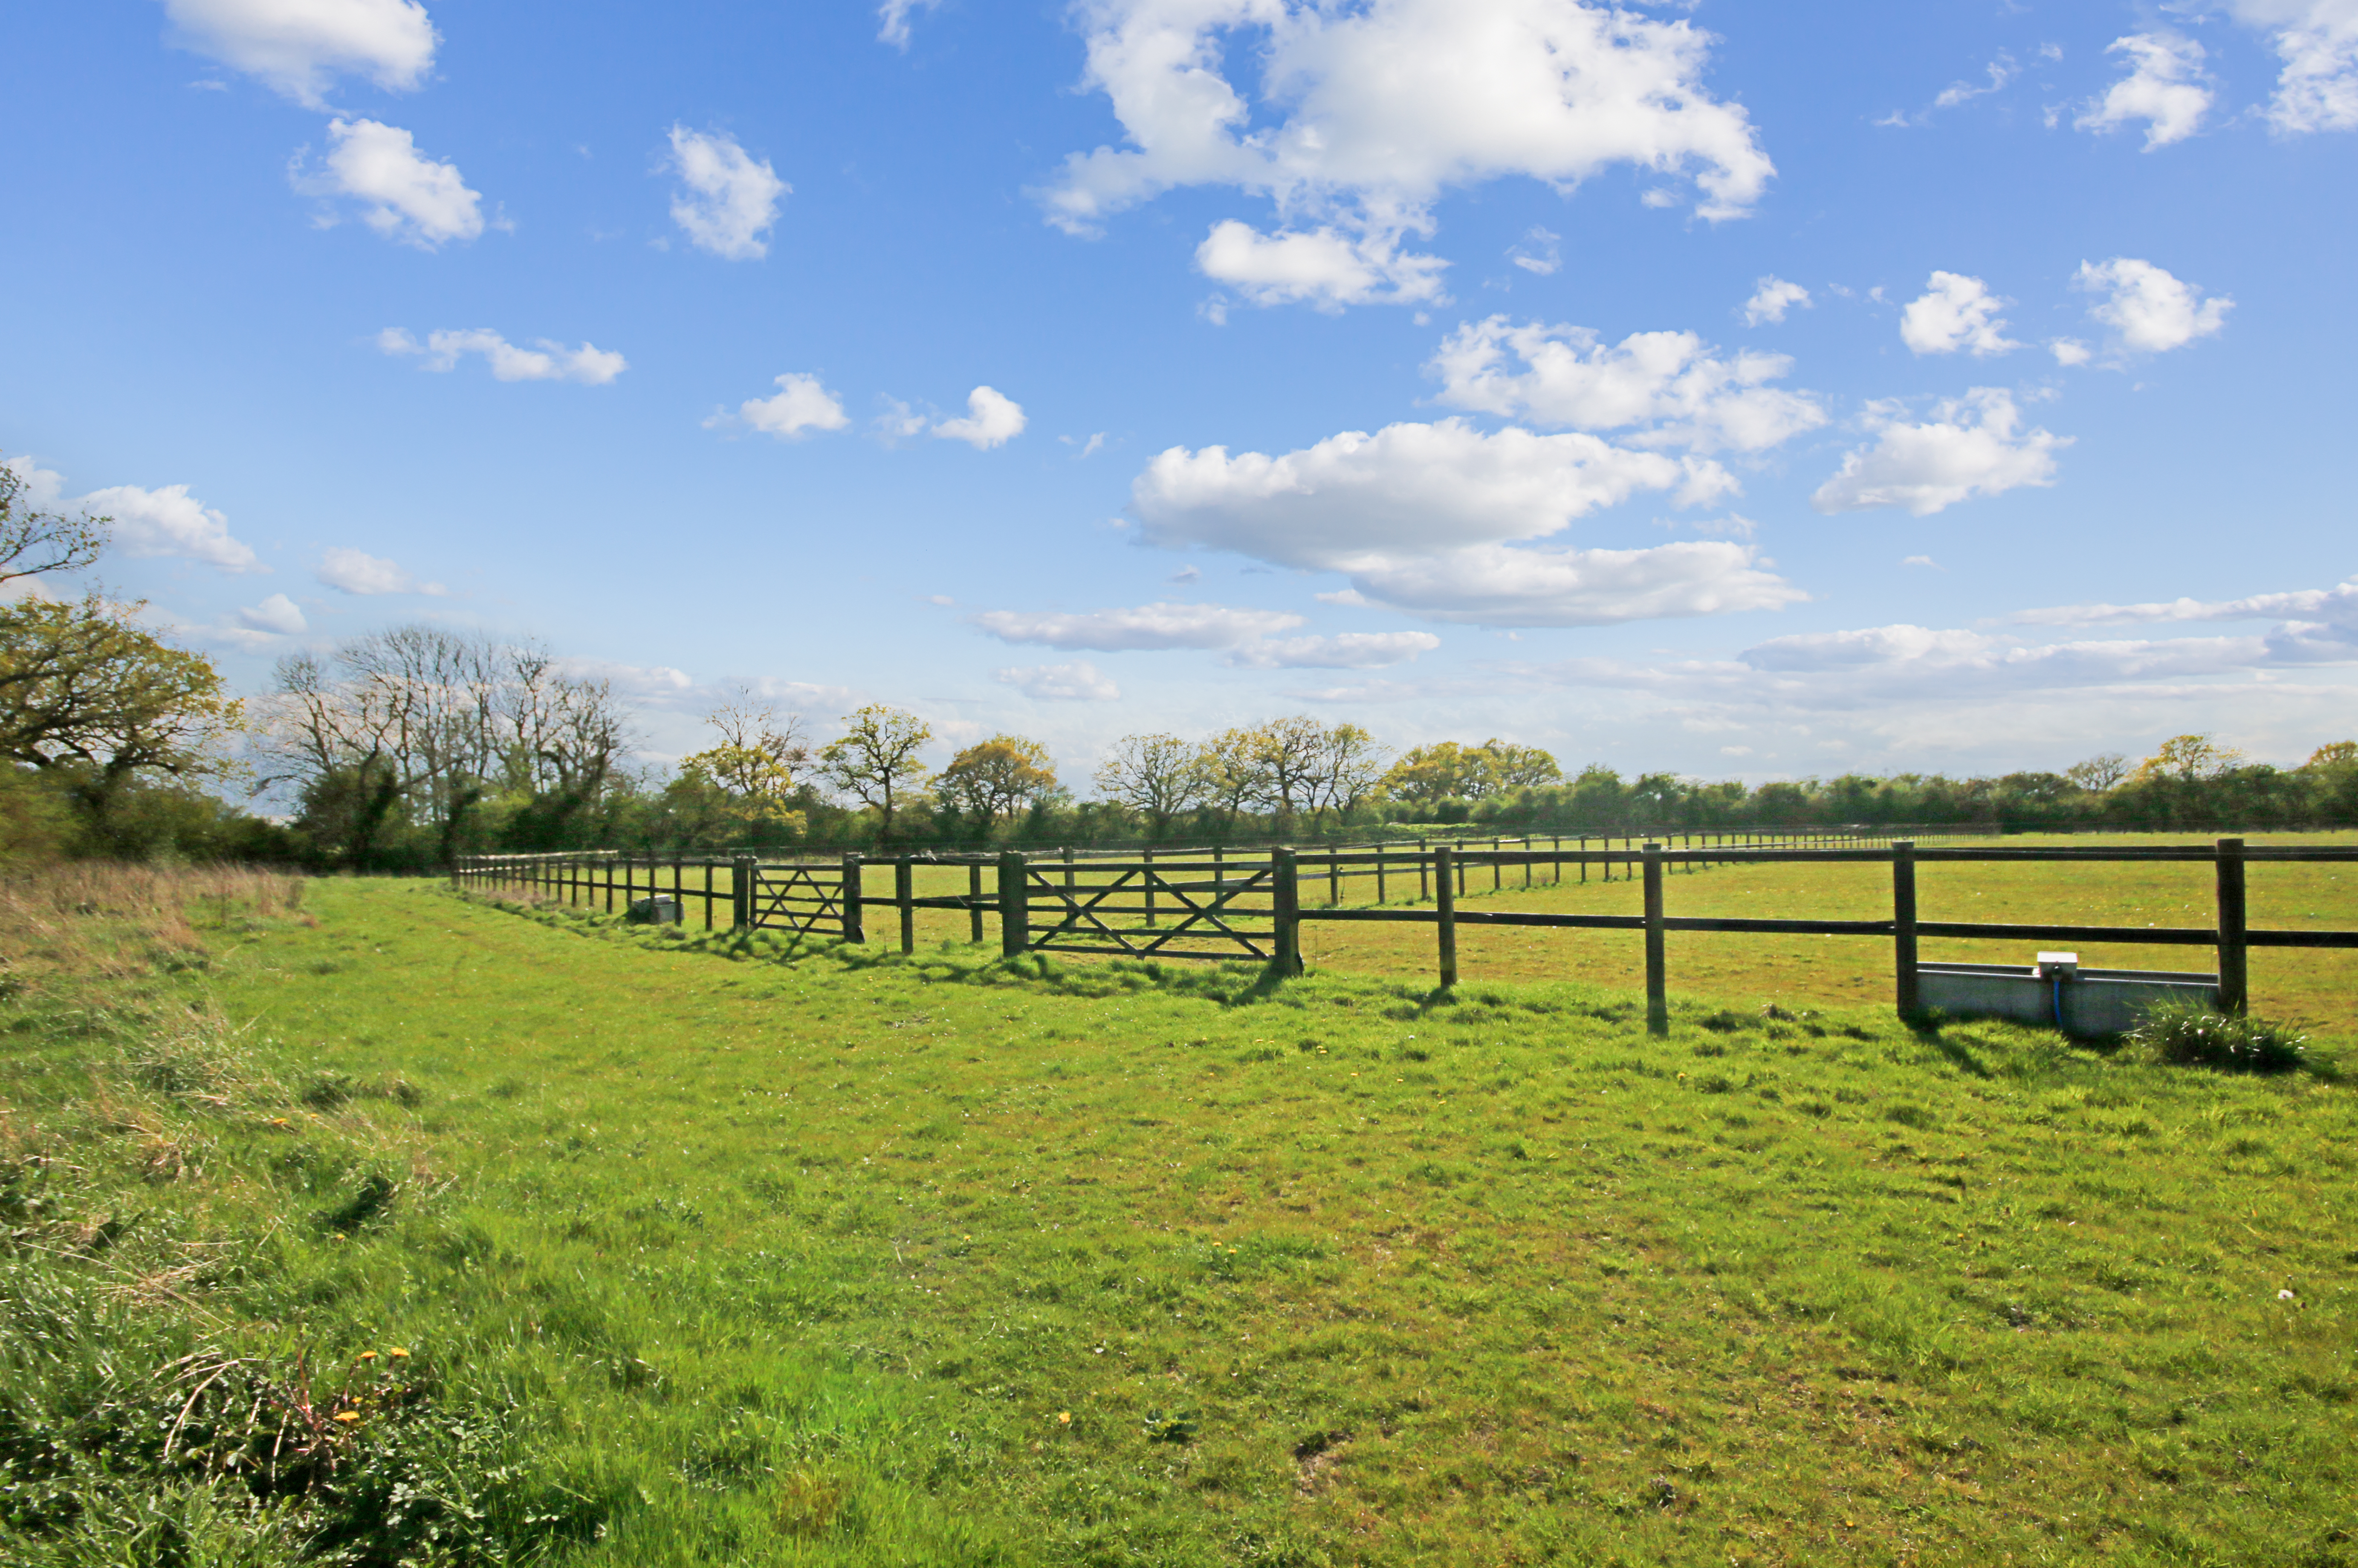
column 1114, row 1269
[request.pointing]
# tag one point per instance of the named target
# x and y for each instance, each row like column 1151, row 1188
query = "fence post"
column 974, row 901
column 1285, row 910
column 1423, row 864
column 741, row 891
column 1334, row 879
column 1903, row 929
column 904, row 893
column 1445, row 883
column 2234, row 973
column 1147, row 883
column 1380, row 873
column 1015, row 904
column 1658, row 1001
column 855, row 927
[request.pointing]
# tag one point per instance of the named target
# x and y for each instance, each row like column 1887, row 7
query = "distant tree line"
column 398, row 750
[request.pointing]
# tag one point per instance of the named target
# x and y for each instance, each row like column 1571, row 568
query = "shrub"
column 2195, row 1036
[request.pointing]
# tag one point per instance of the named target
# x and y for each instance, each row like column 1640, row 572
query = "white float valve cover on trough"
column 2057, row 967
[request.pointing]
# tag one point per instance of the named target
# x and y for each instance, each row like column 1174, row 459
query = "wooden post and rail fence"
column 1220, row 904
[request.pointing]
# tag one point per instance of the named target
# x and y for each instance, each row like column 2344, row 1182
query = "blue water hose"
column 2059, row 1002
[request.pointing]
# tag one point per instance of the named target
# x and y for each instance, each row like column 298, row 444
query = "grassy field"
column 710, row 1251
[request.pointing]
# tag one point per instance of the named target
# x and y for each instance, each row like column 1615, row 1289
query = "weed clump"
column 2194, row 1036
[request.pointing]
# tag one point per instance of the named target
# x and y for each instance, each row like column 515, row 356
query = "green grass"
column 765, row 1252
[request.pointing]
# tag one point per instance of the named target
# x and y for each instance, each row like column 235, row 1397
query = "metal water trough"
column 2058, row 993
column 661, row 909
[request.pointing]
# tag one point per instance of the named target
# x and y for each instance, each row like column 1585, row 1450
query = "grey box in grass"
column 2092, row 1002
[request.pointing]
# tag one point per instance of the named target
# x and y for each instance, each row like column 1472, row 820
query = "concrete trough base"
column 2100, row 1001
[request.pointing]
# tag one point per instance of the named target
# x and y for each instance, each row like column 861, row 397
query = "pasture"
column 751, row 1250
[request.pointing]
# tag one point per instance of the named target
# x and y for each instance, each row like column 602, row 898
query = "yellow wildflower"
column 348, row 1417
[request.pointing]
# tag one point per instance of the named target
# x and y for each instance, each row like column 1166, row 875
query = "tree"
column 2098, row 773
column 2332, row 757
column 420, row 725
column 993, row 777
column 876, row 760
column 759, row 750
column 1232, row 773
column 2188, row 758
column 33, row 542
column 1349, row 765
column 1158, row 776
column 88, row 697
column 1427, row 775
column 1286, row 758
column 1520, row 767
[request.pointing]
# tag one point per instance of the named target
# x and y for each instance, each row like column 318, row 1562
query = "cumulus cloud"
column 1667, row 388
column 1147, row 626
column 1955, row 312
column 1373, row 112
column 800, row 403
column 992, row 419
column 1079, row 682
column 1973, row 446
column 356, row 572
column 892, row 21
column 300, row 47
column 726, row 200
column 2152, row 311
column 1350, row 650
column 1408, row 489
column 404, row 194
column 2317, row 41
column 588, row 365
column 2165, row 89
column 1324, row 268
column 277, row 615
column 167, row 521
column 1772, row 298
column 1500, row 585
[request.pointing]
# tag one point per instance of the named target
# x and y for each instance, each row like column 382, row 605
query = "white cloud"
column 1324, row 268
column 168, row 521
column 992, row 419
column 1078, row 682
column 2164, row 87
column 800, row 403
column 1972, row 447
column 2070, row 351
column 2152, row 311
column 588, row 365
column 1350, row 650
column 898, row 422
column 299, row 47
column 2336, row 606
column 1498, row 585
column 2001, row 70
column 1772, row 298
column 1539, row 253
column 893, row 19
column 1408, row 489
column 1672, row 388
column 2317, row 41
column 354, row 572
column 404, row 195
column 278, row 614
column 1375, row 111
column 1147, row 626
column 1955, row 312
column 729, row 200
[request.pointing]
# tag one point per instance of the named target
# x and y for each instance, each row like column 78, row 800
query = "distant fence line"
column 1215, row 905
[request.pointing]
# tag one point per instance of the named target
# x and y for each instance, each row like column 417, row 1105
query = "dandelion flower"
column 368, row 1354
column 348, row 1417
column 1065, row 1417
column 398, row 1354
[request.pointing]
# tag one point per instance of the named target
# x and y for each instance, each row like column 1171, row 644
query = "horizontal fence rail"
column 1219, row 904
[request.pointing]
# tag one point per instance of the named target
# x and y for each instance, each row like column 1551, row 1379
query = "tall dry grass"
column 107, row 920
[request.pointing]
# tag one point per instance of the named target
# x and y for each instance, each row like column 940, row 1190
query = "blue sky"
column 1745, row 390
